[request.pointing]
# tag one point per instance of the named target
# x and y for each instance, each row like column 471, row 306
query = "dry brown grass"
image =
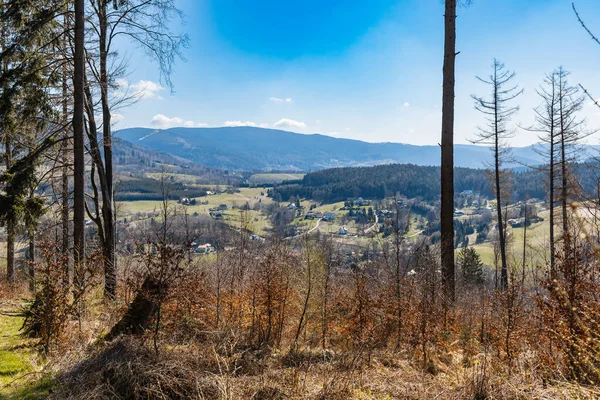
column 129, row 369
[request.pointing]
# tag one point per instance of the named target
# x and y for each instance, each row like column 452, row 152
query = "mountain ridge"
column 253, row 148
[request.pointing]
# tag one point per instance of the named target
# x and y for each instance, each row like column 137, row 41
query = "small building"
column 291, row 206
column 342, row 231
column 458, row 213
column 468, row 192
column 205, row 248
column 359, row 202
column 329, row 216
column 222, row 207
column 309, row 215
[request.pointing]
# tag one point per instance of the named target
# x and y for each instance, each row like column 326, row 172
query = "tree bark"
column 110, row 280
column 501, row 229
column 563, row 161
column 78, row 143
column 551, row 201
column 447, row 147
column 65, row 168
column 10, row 252
column 32, row 261
column 10, row 225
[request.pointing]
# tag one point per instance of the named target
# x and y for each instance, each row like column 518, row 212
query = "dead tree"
column 547, row 127
column 571, row 132
column 495, row 134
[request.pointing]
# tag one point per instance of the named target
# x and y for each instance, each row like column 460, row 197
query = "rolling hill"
column 252, row 148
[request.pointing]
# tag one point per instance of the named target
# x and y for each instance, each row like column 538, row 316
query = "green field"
column 258, row 179
column 183, row 178
column 537, row 244
column 231, row 216
column 18, row 357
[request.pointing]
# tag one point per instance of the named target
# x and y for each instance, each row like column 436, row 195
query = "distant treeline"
column 138, row 188
column 378, row 182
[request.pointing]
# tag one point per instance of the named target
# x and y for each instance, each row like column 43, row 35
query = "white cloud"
column 289, row 123
column 279, row 100
column 239, row 123
column 141, row 90
column 164, row 122
column 406, row 104
column 192, row 124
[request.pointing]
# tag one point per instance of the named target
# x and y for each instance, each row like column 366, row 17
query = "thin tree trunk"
column 447, row 162
column 32, row 261
column 524, row 245
column 10, row 252
column 551, row 194
column 551, row 177
column 10, row 225
column 501, row 228
column 563, row 165
column 398, row 277
column 110, row 280
column 307, row 297
column 324, row 319
column 78, row 143
column 65, row 169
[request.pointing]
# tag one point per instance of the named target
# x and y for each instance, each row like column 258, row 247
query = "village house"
column 205, row 248
column 329, row 216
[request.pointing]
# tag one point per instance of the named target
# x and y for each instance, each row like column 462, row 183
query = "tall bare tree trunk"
column 10, row 225
column 110, row 280
column 447, row 169
column 563, row 158
column 31, row 260
column 524, row 242
column 551, row 201
column 65, row 166
column 78, row 143
column 501, row 230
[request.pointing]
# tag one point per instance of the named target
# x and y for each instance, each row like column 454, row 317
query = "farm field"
column 537, row 248
column 183, row 178
column 258, row 179
column 257, row 221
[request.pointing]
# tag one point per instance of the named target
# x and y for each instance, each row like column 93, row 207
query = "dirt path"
column 315, row 227
column 311, row 230
column 369, row 229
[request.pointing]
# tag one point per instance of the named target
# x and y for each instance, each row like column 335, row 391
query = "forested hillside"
column 339, row 184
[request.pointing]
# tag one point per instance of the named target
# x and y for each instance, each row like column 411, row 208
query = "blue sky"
column 360, row 69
